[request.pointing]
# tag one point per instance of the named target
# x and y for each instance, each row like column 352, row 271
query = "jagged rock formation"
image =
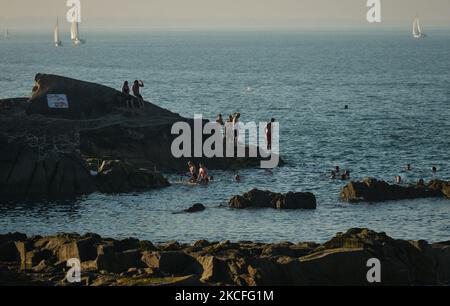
column 372, row 190
column 267, row 199
column 40, row 142
column 340, row 261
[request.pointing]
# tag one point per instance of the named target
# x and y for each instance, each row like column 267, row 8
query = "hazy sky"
column 212, row 14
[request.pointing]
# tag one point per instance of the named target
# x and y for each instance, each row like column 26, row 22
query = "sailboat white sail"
column 75, row 34
column 6, row 36
column 417, row 31
column 58, row 42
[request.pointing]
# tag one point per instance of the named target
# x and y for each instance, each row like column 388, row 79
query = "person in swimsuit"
column 203, row 174
column 269, row 134
column 192, row 172
column 136, row 92
column 126, row 91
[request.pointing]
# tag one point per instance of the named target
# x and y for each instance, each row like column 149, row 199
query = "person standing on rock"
column 126, row 92
column 136, row 92
column 269, row 134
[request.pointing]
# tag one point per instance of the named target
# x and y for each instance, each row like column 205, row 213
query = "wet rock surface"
column 340, row 261
column 373, row 190
column 267, row 199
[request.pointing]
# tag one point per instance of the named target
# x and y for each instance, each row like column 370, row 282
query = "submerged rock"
column 372, row 190
column 195, row 208
column 267, row 199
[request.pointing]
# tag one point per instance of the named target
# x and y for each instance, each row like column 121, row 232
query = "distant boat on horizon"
column 57, row 40
column 417, row 31
column 6, row 35
column 75, row 35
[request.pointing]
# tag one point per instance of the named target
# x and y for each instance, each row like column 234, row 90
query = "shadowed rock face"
column 340, row 261
column 267, row 199
column 372, row 190
column 42, row 146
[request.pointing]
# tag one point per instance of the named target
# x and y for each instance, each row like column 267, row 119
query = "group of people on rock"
column 232, row 123
column 136, row 93
column 199, row 177
column 337, row 173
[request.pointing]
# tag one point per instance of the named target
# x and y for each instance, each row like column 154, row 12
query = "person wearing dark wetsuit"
column 269, row 134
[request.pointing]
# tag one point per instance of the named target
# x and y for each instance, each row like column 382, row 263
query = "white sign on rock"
column 57, row 101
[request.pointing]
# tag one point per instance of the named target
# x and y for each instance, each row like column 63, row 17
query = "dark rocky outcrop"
column 267, row 199
column 372, row 190
column 195, row 208
column 46, row 151
column 339, row 261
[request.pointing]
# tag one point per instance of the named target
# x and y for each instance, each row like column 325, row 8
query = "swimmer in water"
column 408, row 167
column 333, row 175
column 398, row 179
column 237, row 178
column 192, row 172
column 203, row 174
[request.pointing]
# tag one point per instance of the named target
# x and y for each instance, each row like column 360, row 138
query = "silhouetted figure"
column 136, row 92
column 269, row 128
column 126, row 92
column 220, row 120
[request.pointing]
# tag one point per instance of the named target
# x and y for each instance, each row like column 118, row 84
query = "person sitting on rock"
column 126, row 92
column 136, row 92
column 192, row 172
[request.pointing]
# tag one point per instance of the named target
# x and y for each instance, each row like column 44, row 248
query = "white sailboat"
column 417, row 31
column 6, row 36
column 58, row 42
column 75, row 35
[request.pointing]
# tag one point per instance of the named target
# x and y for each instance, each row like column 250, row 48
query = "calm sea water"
column 397, row 89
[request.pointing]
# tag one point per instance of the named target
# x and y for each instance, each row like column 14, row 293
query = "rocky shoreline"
column 373, row 190
column 130, row 262
column 96, row 144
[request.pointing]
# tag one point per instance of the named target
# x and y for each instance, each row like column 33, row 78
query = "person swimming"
column 434, row 169
column 192, row 172
column 398, row 179
column 237, row 178
column 408, row 167
column 203, row 174
column 333, row 175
